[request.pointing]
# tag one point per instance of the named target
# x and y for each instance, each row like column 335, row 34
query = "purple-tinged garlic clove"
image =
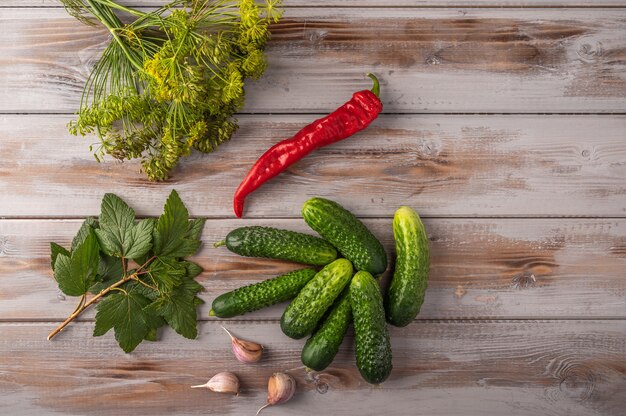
column 245, row 351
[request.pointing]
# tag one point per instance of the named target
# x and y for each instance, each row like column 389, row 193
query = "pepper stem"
column 219, row 243
column 376, row 88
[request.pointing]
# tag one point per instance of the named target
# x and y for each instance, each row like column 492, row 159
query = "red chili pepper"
column 353, row 116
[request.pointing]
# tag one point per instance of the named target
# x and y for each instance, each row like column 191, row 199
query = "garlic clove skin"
column 280, row 388
column 245, row 351
column 224, row 382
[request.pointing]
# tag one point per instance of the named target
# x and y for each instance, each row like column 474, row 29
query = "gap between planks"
column 383, row 113
column 371, row 4
column 373, row 217
column 221, row 321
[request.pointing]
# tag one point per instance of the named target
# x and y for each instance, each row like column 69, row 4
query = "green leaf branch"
column 84, row 304
column 134, row 303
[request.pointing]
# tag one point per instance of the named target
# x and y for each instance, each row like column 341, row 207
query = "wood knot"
column 321, row 387
column 316, row 36
column 574, row 379
column 331, row 378
column 4, row 246
column 459, row 292
column 588, row 154
column 428, row 149
column 433, row 60
column 590, row 50
column 577, row 382
column 524, row 281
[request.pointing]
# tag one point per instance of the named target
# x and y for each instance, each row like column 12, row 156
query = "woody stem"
column 86, row 305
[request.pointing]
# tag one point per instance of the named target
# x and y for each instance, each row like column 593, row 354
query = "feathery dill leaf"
column 171, row 79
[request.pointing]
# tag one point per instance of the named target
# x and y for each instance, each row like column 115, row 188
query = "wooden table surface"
column 504, row 127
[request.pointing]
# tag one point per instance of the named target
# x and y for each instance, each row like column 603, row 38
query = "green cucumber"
column 343, row 230
column 279, row 244
column 305, row 311
column 371, row 337
column 410, row 278
column 320, row 350
column 260, row 295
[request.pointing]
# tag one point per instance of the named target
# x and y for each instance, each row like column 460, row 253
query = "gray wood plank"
column 440, row 165
column 480, row 268
column 440, row 368
column 441, row 60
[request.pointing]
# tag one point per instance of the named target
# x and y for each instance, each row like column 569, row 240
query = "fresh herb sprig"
column 137, row 270
column 170, row 79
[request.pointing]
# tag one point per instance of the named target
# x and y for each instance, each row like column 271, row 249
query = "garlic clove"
column 224, row 382
column 245, row 351
column 280, row 388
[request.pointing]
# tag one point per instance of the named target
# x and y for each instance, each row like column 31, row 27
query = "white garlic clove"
column 280, row 388
column 245, row 351
column 224, row 382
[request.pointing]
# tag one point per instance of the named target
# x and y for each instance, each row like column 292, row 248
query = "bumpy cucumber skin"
column 260, row 295
column 410, row 278
column 320, row 350
column 275, row 243
column 305, row 311
column 343, row 230
column 373, row 349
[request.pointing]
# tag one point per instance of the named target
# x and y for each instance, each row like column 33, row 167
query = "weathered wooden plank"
column 440, row 368
column 481, row 268
column 441, row 165
column 429, row 60
column 370, row 3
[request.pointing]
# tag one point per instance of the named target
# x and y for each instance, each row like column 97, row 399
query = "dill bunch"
column 170, row 79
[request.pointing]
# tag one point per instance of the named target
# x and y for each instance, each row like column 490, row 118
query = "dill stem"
column 114, row 5
column 99, row 12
